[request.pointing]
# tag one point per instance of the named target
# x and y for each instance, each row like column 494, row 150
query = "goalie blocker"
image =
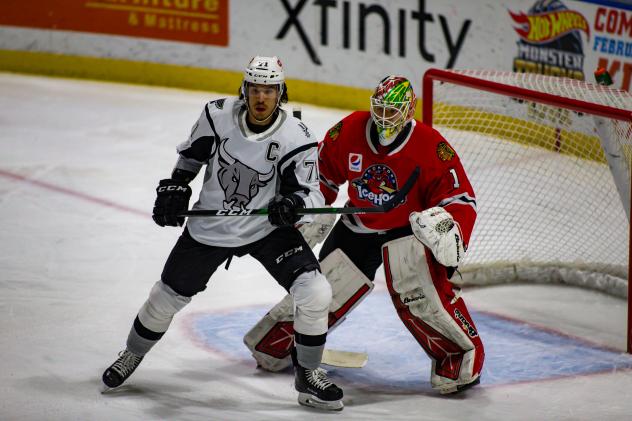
column 271, row 340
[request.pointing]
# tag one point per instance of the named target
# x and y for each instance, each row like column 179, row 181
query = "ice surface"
column 78, row 168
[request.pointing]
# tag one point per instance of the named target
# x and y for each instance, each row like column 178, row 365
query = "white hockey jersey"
column 245, row 170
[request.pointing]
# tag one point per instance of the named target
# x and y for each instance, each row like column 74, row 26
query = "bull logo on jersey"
column 239, row 182
column 377, row 184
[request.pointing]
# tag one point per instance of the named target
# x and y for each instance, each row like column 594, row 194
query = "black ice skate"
column 122, row 368
column 316, row 390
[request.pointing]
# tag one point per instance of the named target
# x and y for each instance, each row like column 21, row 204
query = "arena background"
column 334, row 51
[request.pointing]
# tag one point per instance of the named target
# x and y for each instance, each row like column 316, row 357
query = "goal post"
column 549, row 159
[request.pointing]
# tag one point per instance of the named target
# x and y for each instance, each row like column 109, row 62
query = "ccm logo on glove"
column 172, row 198
column 183, row 189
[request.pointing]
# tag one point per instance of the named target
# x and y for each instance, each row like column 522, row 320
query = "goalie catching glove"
column 438, row 231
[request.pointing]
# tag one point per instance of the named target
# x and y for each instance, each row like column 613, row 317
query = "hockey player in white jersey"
column 256, row 156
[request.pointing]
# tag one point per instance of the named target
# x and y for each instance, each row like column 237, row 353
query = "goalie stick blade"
column 345, row 359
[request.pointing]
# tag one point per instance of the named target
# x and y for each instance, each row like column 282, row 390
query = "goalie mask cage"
column 549, row 159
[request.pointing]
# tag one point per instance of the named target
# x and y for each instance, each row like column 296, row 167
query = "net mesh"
column 549, row 208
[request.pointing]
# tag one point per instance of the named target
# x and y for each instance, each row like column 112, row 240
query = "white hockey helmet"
column 265, row 71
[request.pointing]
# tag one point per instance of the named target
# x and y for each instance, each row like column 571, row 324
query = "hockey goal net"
column 549, row 159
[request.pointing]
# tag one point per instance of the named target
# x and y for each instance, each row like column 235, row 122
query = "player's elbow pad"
column 438, row 231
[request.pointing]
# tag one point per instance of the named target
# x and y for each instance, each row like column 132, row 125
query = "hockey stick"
column 384, row 207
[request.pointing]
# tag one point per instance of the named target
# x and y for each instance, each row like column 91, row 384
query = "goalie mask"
column 264, row 71
column 392, row 106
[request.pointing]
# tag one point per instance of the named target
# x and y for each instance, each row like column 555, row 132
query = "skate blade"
column 104, row 389
column 306, row 399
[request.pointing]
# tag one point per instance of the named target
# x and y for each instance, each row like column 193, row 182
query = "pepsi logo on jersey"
column 355, row 162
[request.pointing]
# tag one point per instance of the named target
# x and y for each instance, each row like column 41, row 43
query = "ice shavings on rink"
column 515, row 351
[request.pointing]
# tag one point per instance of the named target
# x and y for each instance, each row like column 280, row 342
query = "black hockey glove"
column 282, row 210
column 172, row 198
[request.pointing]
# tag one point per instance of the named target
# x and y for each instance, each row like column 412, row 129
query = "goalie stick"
column 385, row 207
column 345, row 359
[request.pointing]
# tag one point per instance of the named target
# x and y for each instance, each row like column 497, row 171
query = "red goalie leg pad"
column 278, row 341
column 354, row 300
column 446, row 353
column 457, row 310
column 459, row 313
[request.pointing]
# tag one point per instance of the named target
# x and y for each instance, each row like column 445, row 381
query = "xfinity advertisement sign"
column 362, row 21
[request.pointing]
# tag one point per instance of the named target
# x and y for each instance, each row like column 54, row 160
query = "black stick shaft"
column 264, row 211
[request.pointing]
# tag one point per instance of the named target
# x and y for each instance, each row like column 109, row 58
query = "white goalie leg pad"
column 349, row 285
column 270, row 340
column 425, row 315
column 163, row 303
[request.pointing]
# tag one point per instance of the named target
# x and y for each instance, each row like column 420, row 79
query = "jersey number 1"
column 456, row 184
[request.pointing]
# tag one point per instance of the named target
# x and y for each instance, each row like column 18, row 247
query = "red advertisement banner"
column 196, row 21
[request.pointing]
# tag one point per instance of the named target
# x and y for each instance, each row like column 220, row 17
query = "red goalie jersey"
column 375, row 173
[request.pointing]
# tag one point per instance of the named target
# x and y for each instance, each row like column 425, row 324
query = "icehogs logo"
column 377, row 184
